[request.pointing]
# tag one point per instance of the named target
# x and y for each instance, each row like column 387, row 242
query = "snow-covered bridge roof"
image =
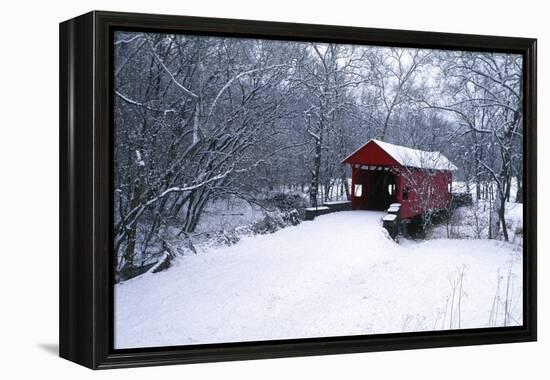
column 409, row 157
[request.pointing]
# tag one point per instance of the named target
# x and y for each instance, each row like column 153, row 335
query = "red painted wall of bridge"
column 418, row 190
column 427, row 191
column 371, row 154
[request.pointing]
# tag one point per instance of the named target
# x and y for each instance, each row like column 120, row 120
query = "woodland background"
column 200, row 120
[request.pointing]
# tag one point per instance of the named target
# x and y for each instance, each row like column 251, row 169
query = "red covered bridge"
column 384, row 173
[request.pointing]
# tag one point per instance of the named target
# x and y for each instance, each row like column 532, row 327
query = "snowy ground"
column 338, row 275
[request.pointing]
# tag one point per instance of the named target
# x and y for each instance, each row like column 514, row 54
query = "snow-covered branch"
column 236, row 77
column 140, row 104
column 170, row 74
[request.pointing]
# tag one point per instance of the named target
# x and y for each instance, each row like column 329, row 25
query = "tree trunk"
column 129, row 253
column 315, row 177
column 494, row 220
column 500, row 201
column 519, row 191
column 314, row 187
column 508, row 186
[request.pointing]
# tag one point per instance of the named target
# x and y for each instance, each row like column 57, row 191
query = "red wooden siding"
column 417, row 190
column 371, row 154
column 420, row 197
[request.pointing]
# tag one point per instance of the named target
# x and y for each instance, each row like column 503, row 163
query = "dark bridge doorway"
column 374, row 189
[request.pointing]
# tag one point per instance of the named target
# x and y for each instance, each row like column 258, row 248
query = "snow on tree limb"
column 136, row 37
column 140, row 104
column 229, row 82
column 172, row 77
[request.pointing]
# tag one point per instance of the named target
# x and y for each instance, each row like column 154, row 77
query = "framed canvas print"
column 236, row 189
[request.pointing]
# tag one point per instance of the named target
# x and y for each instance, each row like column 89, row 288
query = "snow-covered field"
column 338, row 275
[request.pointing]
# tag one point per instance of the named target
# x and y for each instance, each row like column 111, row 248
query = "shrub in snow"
column 288, row 202
column 188, row 246
column 227, row 237
column 292, row 217
column 274, row 221
column 269, row 224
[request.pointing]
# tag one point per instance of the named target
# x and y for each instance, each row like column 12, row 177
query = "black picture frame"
column 86, row 153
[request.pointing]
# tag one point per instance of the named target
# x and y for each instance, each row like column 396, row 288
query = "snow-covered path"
column 338, row 275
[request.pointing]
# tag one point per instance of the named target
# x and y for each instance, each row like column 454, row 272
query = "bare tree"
column 393, row 78
column 328, row 73
column 484, row 95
